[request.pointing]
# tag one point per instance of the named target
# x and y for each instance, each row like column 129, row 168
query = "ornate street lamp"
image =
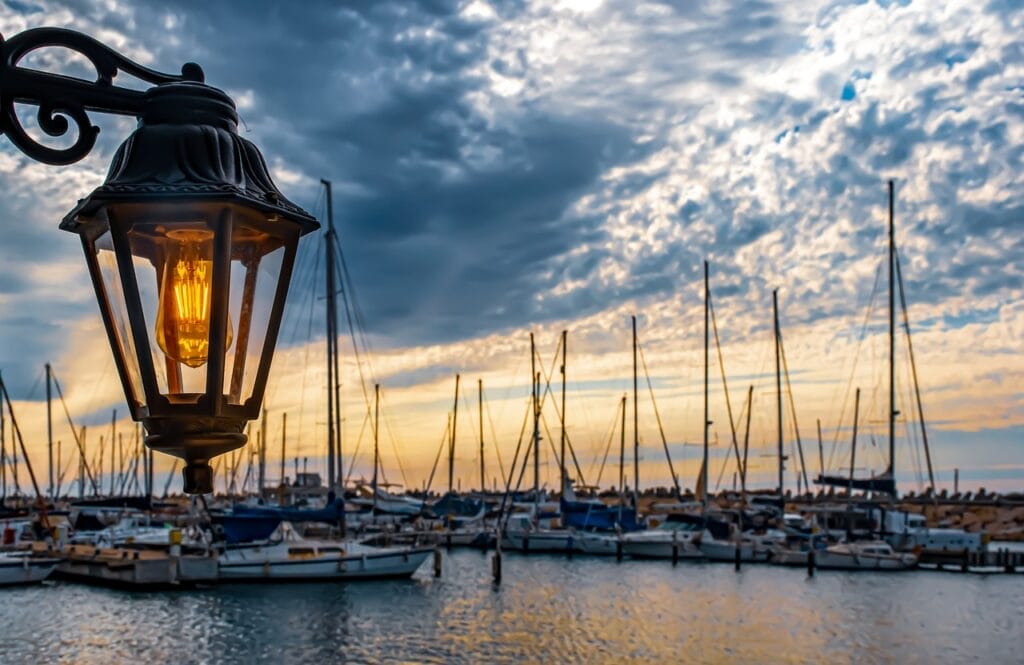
column 189, row 243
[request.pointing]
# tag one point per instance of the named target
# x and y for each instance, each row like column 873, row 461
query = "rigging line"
column 792, row 410
column 608, row 446
column 725, row 388
column 657, row 417
column 856, row 357
column 512, row 467
column 309, row 337
column 21, row 442
column 74, row 432
column 597, row 453
column 494, row 435
column 349, row 306
column 437, row 458
column 913, row 367
column 548, row 391
column 355, row 453
column 35, row 387
column 394, row 444
column 554, row 451
column 474, row 426
column 349, row 292
column 303, row 283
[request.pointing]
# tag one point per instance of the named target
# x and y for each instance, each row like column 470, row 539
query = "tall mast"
column 821, row 453
column 707, row 415
column 284, row 439
column 262, row 469
column 451, row 441
column 561, row 457
column 49, row 429
column 376, row 434
column 778, row 393
column 853, row 459
column 636, row 427
column 853, row 449
column 113, row 450
column 81, row 466
column 536, row 420
column 746, row 434
column 622, row 453
column 892, row 341
column 332, row 342
column 480, row 400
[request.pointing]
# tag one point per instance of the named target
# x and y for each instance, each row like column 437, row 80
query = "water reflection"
column 547, row 609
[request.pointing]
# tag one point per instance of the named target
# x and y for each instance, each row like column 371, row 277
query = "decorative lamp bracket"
column 61, row 97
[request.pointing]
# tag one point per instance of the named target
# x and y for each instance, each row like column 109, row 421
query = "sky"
column 501, row 168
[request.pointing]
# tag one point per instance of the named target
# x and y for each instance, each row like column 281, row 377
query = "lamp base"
column 196, row 449
column 198, row 478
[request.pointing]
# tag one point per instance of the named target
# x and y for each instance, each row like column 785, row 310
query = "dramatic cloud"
column 508, row 165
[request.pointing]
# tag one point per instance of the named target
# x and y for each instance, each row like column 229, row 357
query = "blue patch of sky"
column 955, row 59
column 956, row 321
column 849, row 92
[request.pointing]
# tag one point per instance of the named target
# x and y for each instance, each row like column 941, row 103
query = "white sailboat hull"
column 368, row 563
column 659, row 545
column 851, row 561
column 723, row 550
column 555, row 540
column 24, row 569
column 598, row 544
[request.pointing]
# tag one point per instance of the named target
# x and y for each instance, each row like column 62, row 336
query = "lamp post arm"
column 61, row 97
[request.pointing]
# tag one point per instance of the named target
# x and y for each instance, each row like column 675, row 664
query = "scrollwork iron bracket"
column 61, row 97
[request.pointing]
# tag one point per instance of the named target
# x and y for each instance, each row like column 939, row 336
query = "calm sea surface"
column 548, row 609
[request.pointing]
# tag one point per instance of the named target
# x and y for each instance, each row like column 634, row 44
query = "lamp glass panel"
column 110, row 278
column 174, row 269
column 256, row 261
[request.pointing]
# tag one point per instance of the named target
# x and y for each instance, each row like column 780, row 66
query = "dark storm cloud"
column 457, row 214
column 448, row 218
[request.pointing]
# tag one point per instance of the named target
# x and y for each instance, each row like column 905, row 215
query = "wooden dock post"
column 675, row 548
column 618, row 550
column 437, row 562
column 568, row 547
column 966, row 560
column 738, row 556
column 810, row 562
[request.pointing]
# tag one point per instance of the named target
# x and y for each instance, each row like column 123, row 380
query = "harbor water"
column 547, row 609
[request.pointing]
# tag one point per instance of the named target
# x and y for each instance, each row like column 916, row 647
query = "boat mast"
column 49, row 429
column 778, row 392
column 535, row 387
column 892, row 343
column 332, row 342
column 113, row 450
column 622, row 457
column 561, row 458
column 746, row 433
column 262, row 477
column 707, row 419
column 636, row 427
column 284, row 440
column 376, row 449
column 480, row 396
column 821, row 453
column 451, row 440
column 853, row 459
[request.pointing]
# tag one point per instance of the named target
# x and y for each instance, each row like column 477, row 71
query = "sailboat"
column 288, row 556
column 884, row 482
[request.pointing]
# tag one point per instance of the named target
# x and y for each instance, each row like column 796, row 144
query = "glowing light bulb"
column 186, row 286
